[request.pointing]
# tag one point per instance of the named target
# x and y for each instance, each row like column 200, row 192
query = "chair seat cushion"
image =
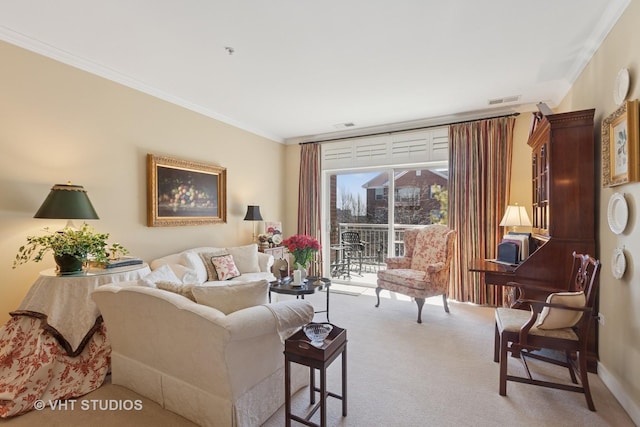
column 511, row 320
column 403, row 278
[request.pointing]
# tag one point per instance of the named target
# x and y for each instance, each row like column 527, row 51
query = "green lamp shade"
column 66, row 201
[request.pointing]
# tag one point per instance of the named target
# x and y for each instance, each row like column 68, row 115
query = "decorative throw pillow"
column 225, row 267
column 207, row 260
column 185, row 274
column 177, row 288
column 233, row 297
column 192, row 261
column 162, row 273
column 246, row 258
column 557, row 318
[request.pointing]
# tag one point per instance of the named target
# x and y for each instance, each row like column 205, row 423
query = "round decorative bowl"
column 317, row 332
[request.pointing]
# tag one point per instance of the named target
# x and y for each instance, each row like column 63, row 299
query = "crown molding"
column 44, row 49
column 412, row 124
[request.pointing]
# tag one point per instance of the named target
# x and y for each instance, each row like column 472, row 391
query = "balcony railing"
column 374, row 251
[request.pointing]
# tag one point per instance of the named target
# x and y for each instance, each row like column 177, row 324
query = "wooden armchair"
column 559, row 324
column 423, row 271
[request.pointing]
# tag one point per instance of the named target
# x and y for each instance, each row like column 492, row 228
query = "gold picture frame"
column 620, row 146
column 183, row 192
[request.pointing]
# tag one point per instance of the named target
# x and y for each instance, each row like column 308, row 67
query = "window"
column 381, row 186
column 409, row 195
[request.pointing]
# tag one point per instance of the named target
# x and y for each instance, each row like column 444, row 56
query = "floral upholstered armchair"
column 423, row 271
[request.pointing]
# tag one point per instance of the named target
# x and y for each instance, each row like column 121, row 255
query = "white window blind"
column 425, row 145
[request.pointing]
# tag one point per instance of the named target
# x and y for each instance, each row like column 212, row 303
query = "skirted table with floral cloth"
column 54, row 346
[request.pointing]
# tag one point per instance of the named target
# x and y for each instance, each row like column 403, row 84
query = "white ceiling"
column 301, row 67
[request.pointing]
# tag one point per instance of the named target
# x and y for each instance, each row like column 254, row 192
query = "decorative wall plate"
column 617, row 213
column 618, row 263
column 621, row 87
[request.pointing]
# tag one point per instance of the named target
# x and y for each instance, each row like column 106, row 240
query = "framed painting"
column 183, row 192
column 620, row 146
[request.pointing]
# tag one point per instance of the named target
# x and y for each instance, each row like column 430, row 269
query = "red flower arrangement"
column 302, row 247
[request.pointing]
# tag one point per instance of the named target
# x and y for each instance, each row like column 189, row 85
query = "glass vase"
column 303, row 271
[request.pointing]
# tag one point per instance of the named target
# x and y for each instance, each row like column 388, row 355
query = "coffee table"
column 306, row 288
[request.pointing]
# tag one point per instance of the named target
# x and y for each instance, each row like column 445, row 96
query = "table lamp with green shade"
column 67, row 201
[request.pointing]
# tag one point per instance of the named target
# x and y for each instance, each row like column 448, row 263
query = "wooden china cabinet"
column 564, row 206
column 564, row 203
column 564, row 186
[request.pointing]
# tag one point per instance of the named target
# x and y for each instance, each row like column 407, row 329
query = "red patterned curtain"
column 479, row 179
column 309, row 198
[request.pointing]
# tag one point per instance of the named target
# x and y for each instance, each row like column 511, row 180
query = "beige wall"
column 520, row 192
column 619, row 337
column 58, row 124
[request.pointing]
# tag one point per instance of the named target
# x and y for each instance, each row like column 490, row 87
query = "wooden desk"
column 494, row 273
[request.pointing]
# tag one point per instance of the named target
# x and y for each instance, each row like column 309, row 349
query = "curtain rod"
column 410, row 129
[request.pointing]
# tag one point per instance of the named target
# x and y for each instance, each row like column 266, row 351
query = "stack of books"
column 123, row 261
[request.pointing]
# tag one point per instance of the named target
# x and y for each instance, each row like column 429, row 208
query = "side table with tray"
column 307, row 287
column 299, row 349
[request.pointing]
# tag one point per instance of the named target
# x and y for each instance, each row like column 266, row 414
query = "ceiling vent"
column 504, row 100
column 344, row 125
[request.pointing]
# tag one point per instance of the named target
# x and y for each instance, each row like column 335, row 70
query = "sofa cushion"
column 163, row 273
column 193, row 261
column 225, row 267
column 207, row 260
column 245, row 258
column 186, row 290
column 186, row 274
column 233, row 297
column 557, row 318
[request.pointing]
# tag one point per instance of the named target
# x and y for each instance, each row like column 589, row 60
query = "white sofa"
column 192, row 359
column 192, row 266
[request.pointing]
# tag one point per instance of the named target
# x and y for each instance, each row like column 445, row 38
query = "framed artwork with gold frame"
column 620, row 146
column 184, row 192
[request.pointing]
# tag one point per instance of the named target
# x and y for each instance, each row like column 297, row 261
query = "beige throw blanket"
column 291, row 316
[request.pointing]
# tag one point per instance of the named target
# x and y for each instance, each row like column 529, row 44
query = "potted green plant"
column 71, row 248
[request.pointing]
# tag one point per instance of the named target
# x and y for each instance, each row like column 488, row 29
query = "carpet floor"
column 400, row 373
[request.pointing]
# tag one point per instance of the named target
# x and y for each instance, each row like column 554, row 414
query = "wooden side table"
column 66, row 304
column 298, row 349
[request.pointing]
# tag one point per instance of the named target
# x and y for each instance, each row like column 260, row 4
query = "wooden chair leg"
column 582, row 361
column 503, row 366
column 378, row 289
column 569, row 365
column 444, row 302
column 420, row 302
column 496, row 345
